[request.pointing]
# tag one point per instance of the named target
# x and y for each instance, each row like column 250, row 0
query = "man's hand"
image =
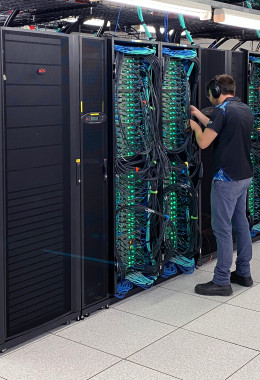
column 199, row 115
column 194, row 111
column 194, row 126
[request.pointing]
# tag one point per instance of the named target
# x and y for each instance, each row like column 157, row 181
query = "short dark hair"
column 225, row 82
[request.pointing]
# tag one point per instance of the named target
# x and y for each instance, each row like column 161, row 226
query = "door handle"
column 105, row 167
column 78, row 179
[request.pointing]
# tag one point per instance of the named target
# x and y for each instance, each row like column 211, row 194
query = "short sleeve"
column 217, row 120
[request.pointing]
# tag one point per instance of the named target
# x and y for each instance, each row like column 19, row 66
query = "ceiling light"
column 70, row 19
column 141, row 29
column 92, row 21
column 96, row 22
column 240, row 19
column 186, row 7
column 151, row 29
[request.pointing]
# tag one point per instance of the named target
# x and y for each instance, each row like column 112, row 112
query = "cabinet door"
column 38, row 186
column 94, row 172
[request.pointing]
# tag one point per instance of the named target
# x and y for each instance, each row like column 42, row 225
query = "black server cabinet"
column 97, row 257
column 39, row 281
column 237, row 66
column 213, row 62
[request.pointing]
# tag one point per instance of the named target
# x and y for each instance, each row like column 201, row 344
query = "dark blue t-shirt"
column 233, row 121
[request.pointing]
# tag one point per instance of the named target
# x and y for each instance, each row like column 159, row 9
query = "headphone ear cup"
column 216, row 92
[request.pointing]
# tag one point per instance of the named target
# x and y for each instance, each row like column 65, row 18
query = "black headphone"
column 214, row 88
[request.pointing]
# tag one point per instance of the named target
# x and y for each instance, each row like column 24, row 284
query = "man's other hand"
column 194, row 111
column 194, row 126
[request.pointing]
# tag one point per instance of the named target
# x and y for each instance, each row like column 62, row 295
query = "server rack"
column 131, row 168
column 39, row 286
column 252, row 68
column 181, row 70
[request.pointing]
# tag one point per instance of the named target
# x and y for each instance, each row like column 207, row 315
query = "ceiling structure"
column 50, row 14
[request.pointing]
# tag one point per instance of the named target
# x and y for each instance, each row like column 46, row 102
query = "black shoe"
column 241, row 280
column 212, row 289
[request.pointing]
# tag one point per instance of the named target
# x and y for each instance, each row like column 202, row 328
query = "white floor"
column 164, row 333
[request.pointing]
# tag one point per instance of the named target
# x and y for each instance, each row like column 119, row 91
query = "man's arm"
column 199, row 115
column 204, row 139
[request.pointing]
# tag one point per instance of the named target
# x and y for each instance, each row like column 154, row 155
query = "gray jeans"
column 228, row 207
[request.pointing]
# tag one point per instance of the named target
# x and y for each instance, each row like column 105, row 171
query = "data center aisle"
column 164, row 333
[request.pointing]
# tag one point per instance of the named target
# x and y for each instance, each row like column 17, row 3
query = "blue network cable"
column 166, row 24
column 254, row 59
column 180, row 54
column 139, row 279
column 117, row 21
column 135, row 50
column 169, row 269
column 186, row 265
column 122, row 288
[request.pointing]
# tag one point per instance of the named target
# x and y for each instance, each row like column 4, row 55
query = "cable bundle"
column 180, row 188
column 137, row 166
column 123, row 287
column 176, row 97
column 187, row 266
column 180, row 201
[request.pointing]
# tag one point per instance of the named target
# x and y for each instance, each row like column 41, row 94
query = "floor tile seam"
column 155, row 320
column 80, row 321
column 241, row 307
column 210, row 299
column 116, row 356
column 133, row 296
column 243, row 366
column 222, row 340
column 222, row 304
column 194, row 295
column 150, row 344
column 105, row 370
column 191, row 294
column 239, row 294
column 156, row 370
column 93, row 348
column 208, row 271
column 24, row 345
column 150, row 319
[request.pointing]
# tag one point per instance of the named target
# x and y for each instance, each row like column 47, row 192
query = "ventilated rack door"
column 37, row 177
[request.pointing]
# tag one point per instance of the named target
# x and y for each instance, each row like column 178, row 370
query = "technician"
column 229, row 128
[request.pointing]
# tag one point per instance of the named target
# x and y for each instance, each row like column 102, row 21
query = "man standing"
column 230, row 127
